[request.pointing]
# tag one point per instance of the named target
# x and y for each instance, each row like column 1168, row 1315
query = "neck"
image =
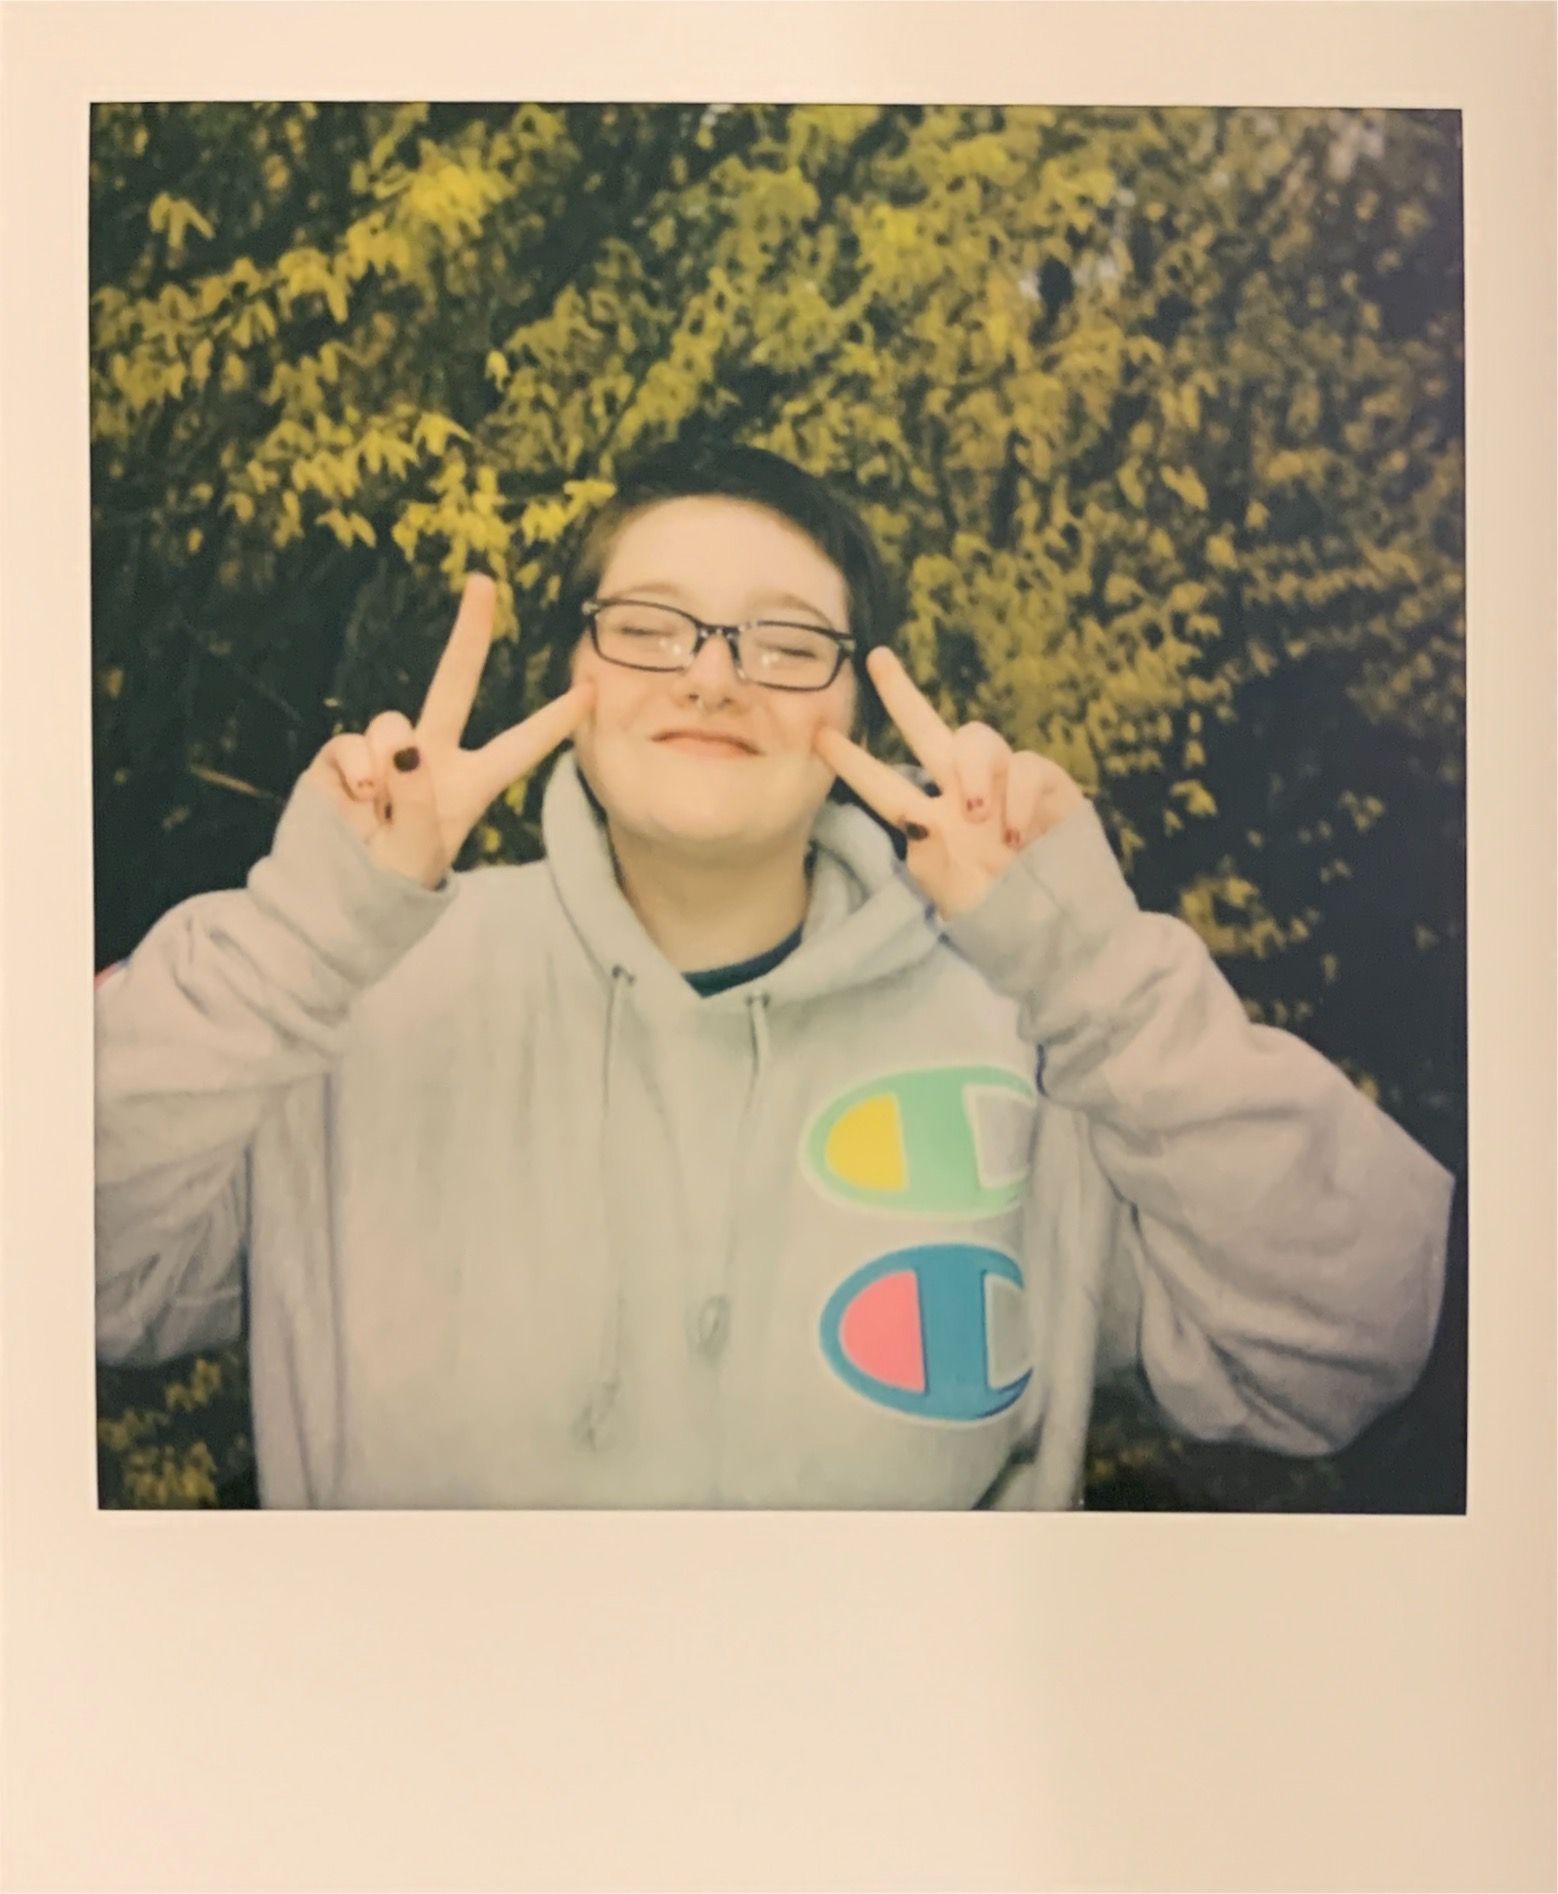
column 711, row 914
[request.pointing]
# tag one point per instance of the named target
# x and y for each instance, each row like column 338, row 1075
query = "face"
column 698, row 760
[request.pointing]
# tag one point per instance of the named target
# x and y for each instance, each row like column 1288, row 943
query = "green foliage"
column 1158, row 414
column 174, row 1436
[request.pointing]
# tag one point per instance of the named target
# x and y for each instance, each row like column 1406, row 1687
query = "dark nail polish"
column 408, row 758
column 916, row 831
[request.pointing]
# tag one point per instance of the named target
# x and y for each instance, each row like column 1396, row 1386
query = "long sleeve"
column 231, row 999
column 1283, row 1245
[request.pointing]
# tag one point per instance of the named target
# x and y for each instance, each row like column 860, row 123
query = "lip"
column 710, row 743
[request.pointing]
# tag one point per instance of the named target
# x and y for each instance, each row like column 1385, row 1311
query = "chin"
column 709, row 817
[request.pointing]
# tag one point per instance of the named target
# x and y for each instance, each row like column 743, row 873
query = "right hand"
column 409, row 790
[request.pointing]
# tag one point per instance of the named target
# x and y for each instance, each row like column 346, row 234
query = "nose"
column 711, row 677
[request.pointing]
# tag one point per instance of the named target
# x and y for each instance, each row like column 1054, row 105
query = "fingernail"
column 408, row 758
column 916, row 831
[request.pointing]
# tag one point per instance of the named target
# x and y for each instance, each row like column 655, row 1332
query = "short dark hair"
column 732, row 471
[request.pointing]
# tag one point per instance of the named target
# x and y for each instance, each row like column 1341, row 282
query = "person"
column 800, row 1132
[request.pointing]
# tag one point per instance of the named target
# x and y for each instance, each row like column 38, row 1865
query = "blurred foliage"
column 1157, row 413
column 175, row 1435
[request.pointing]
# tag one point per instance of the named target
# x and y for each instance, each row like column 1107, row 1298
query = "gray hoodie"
column 513, row 1217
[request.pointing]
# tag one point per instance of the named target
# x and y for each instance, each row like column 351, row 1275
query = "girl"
column 731, row 1155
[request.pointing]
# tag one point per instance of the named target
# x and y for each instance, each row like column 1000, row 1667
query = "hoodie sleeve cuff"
column 319, row 880
column 1061, row 897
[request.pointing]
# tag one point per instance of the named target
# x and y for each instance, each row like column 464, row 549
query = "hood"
column 866, row 920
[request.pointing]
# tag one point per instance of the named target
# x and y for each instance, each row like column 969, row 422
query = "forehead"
column 729, row 555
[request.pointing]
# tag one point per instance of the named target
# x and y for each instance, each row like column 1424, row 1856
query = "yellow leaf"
column 1187, row 484
column 1197, row 799
column 1130, row 483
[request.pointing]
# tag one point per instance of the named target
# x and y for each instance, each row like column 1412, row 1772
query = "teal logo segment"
column 939, row 1141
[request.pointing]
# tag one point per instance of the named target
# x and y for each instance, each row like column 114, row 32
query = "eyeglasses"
column 647, row 637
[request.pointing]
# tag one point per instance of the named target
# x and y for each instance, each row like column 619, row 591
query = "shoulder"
column 508, row 902
column 498, row 923
column 497, row 887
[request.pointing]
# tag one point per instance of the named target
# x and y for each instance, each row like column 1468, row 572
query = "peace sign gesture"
column 993, row 801
column 409, row 790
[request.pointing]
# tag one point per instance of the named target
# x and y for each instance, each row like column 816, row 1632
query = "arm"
column 1285, row 1241
column 1282, row 1240
column 231, row 999
column 234, row 998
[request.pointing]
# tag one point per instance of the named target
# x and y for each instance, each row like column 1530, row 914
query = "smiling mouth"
column 697, row 743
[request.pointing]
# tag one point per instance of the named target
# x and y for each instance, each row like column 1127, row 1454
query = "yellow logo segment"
column 865, row 1147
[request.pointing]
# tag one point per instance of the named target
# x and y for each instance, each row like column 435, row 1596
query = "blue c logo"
column 921, row 1331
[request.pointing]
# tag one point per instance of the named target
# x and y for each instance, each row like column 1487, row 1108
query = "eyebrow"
column 771, row 601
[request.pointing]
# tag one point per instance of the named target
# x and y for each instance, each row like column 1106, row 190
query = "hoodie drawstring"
column 593, row 1422
column 714, row 1316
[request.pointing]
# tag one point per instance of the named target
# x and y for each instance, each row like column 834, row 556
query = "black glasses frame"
column 843, row 645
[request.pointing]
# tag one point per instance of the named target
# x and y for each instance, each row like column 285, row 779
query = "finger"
column 923, row 729
column 447, row 707
column 1026, row 778
column 390, row 731
column 980, row 757
column 351, row 760
column 516, row 752
column 410, row 838
column 389, row 735
column 892, row 796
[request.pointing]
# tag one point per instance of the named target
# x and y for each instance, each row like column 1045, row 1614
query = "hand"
column 409, row 790
column 993, row 801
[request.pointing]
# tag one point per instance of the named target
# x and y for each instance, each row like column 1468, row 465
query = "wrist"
column 1059, row 898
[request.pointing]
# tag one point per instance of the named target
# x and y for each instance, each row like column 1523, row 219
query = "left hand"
column 994, row 801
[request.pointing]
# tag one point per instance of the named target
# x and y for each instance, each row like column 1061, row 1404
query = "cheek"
column 620, row 698
column 839, row 711
column 799, row 724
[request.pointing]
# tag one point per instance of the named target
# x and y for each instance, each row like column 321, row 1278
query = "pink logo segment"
column 881, row 1332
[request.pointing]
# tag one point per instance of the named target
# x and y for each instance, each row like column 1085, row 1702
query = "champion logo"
column 936, row 1330
column 936, row 1142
